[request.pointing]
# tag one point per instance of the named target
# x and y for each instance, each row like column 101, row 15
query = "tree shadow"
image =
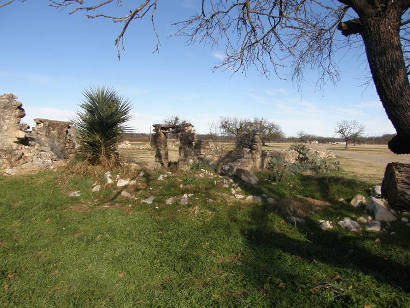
column 342, row 250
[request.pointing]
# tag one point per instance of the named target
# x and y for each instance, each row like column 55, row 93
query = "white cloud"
column 38, row 79
column 275, row 92
column 47, row 113
column 219, row 56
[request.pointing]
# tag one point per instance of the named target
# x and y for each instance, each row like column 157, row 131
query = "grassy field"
column 364, row 162
column 104, row 250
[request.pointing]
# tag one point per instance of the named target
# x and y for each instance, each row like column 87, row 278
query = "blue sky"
column 48, row 58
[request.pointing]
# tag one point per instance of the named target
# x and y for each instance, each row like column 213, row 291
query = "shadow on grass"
column 329, row 188
column 344, row 251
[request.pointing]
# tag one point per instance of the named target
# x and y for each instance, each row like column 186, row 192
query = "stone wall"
column 48, row 144
column 56, row 135
column 11, row 130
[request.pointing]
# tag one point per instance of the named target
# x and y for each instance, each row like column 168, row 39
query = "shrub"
column 306, row 159
column 101, row 124
column 281, row 169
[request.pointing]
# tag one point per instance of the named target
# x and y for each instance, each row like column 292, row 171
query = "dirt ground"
column 366, row 162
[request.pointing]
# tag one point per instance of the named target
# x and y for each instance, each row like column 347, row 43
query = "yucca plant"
column 100, row 125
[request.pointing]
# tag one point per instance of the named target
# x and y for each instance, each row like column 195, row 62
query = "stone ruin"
column 188, row 144
column 48, row 143
column 247, row 155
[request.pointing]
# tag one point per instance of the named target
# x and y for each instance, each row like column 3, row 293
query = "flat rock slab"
column 349, row 224
column 246, row 176
column 74, row 194
column 256, row 199
column 377, row 207
column 374, row 226
column 122, row 182
column 148, row 200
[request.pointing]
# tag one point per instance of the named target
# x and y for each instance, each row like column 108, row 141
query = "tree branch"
column 350, row 27
column 6, row 3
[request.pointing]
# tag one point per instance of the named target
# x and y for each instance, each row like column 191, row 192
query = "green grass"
column 104, row 250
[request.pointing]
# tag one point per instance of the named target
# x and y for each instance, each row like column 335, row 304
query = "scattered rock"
column 374, row 226
column 108, row 178
column 404, row 219
column 256, row 199
column 170, row 201
column 239, row 196
column 271, row 201
column 96, row 188
column 377, row 207
column 349, row 224
column 126, row 194
column 294, row 220
column 74, row 194
column 325, row 225
column 246, row 176
column 358, row 200
column 184, row 200
column 141, row 174
column 161, row 177
column 122, row 183
column 362, row 220
column 341, row 200
column 148, row 200
column 10, row 171
column 377, row 191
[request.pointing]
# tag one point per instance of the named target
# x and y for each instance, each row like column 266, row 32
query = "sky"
column 48, row 58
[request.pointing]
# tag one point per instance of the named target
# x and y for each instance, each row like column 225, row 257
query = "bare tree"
column 349, row 130
column 306, row 138
column 235, row 127
column 174, row 121
column 269, row 34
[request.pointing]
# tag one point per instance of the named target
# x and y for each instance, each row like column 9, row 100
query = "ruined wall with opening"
column 48, row 143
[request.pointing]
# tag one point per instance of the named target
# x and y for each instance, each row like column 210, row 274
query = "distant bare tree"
column 306, row 138
column 173, row 121
column 236, row 127
column 271, row 34
column 349, row 130
column 214, row 130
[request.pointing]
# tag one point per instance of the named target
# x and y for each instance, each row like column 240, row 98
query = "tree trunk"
column 396, row 186
column 380, row 33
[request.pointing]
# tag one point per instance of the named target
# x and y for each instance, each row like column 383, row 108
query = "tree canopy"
column 235, row 127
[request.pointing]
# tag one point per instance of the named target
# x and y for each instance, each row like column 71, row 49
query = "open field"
column 366, row 162
column 103, row 249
